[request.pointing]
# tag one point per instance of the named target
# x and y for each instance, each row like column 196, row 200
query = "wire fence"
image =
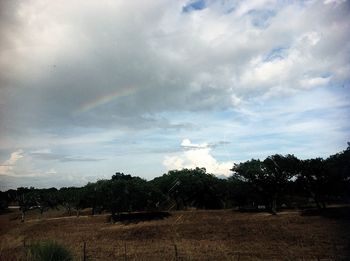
column 178, row 254
column 123, row 252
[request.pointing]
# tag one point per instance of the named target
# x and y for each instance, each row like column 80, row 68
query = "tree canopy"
column 275, row 182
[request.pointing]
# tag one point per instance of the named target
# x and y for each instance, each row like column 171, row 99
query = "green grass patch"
column 48, row 251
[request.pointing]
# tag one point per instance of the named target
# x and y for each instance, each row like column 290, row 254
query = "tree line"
column 279, row 181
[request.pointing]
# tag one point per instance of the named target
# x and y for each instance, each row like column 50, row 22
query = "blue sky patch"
column 193, row 6
column 260, row 18
column 277, row 53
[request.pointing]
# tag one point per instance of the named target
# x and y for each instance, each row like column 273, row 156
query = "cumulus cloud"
column 197, row 155
column 20, row 164
column 187, row 144
column 336, row 2
column 312, row 82
column 7, row 166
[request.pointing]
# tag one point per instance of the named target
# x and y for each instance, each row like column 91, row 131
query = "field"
column 185, row 235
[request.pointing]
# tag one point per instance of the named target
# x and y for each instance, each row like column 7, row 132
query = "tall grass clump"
column 48, row 251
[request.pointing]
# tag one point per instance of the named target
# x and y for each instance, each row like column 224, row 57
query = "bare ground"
column 185, row 235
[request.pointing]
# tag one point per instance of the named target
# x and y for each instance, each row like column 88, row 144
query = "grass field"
column 185, row 235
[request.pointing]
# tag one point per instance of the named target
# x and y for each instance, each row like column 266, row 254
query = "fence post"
column 84, row 251
column 24, row 248
column 125, row 254
column 176, row 254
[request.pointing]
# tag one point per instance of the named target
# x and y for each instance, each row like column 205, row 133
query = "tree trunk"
column 113, row 216
column 23, row 215
column 274, row 205
column 319, row 207
column 177, row 204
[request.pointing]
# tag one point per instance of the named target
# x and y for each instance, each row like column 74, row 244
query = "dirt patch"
column 140, row 216
column 191, row 235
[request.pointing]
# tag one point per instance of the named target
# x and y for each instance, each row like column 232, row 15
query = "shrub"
column 48, row 251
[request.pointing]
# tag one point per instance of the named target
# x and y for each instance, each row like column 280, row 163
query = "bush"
column 48, row 251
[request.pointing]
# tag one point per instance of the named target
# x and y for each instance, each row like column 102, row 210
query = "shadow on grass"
column 6, row 211
column 252, row 210
column 135, row 217
column 332, row 212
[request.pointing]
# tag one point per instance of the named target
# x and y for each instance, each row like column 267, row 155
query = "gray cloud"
column 170, row 60
column 86, row 78
column 47, row 181
column 188, row 145
column 61, row 157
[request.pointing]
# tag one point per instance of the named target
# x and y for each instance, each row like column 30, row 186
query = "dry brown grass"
column 198, row 235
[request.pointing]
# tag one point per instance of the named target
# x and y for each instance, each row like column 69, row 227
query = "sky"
column 90, row 88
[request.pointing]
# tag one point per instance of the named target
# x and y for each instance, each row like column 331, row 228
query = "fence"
column 177, row 255
column 124, row 254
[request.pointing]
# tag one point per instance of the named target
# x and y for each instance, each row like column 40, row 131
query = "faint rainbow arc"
column 105, row 99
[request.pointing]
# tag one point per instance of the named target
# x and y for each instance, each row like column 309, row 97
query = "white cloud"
column 283, row 70
column 21, row 164
column 336, row 2
column 51, row 171
column 246, row 6
column 314, row 82
column 8, row 165
column 41, row 151
column 197, row 155
column 186, row 143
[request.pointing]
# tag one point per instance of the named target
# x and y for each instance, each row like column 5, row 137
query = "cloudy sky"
column 88, row 88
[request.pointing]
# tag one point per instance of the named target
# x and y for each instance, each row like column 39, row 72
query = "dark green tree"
column 326, row 180
column 47, row 199
column 190, row 188
column 314, row 179
column 4, row 201
column 73, row 198
column 268, row 178
column 280, row 170
column 27, row 199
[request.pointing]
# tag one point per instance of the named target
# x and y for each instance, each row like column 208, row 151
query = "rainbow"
column 102, row 100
